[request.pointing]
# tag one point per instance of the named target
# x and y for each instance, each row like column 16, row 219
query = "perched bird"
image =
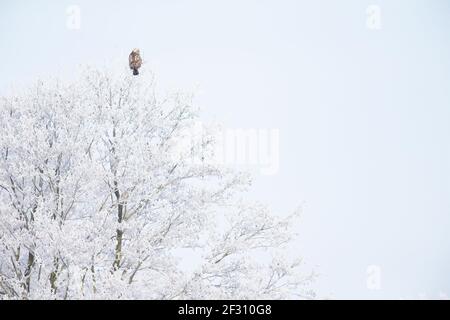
column 135, row 61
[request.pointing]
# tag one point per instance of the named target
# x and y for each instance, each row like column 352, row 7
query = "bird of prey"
column 135, row 61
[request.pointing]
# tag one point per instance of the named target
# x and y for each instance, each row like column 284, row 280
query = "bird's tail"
column 135, row 72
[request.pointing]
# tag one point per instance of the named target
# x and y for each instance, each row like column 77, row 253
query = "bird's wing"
column 130, row 58
column 138, row 61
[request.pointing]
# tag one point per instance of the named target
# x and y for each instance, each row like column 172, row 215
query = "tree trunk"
column 119, row 232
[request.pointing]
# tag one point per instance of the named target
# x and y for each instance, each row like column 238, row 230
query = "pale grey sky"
column 363, row 114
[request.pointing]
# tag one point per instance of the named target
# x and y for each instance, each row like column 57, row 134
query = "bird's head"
column 136, row 50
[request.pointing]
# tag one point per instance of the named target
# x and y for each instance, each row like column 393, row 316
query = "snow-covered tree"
column 97, row 200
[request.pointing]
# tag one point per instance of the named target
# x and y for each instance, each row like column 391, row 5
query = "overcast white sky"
column 364, row 115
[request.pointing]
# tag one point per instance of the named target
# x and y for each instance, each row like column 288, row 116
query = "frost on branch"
column 95, row 199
